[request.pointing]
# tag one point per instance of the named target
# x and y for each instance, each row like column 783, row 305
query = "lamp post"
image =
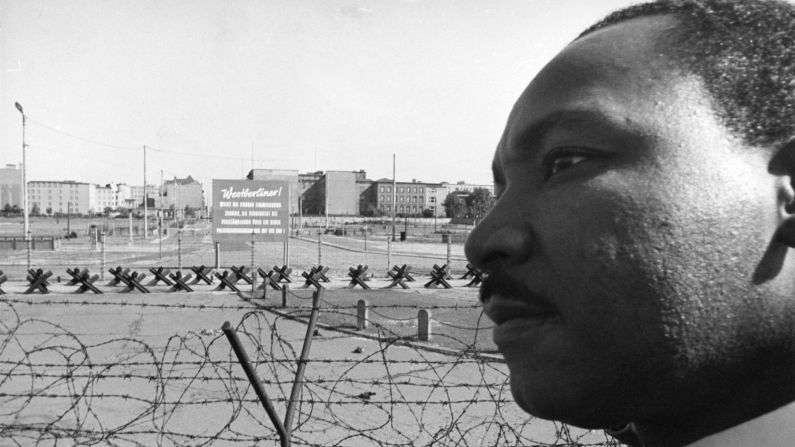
column 24, row 180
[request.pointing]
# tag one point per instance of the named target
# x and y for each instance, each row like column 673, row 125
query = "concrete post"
column 286, row 251
column 362, row 315
column 449, row 251
column 285, row 292
column 424, row 325
column 253, row 271
column 319, row 250
column 217, row 255
column 102, row 257
column 179, row 251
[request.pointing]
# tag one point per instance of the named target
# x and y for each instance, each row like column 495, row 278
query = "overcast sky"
column 308, row 85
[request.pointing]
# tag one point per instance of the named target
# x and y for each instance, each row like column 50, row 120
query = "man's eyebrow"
column 538, row 130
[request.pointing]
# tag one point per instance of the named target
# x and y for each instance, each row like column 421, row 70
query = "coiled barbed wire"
column 64, row 385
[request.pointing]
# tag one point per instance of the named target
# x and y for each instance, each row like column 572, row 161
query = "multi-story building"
column 332, row 192
column 281, row 175
column 339, row 189
column 435, row 193
column 132, row 196
column 310, row 195
column 11, row 186
column 410, row 198
column 60, row 197
column 180, row 193
column 466, row 187
column 103, row 197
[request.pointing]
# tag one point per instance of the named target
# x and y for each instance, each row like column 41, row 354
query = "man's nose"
column 499, row 240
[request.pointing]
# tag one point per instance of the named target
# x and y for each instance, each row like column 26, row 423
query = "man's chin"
column 557, row 402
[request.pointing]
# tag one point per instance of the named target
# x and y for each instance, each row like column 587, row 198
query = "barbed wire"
column 58, row 387
column 49, row 302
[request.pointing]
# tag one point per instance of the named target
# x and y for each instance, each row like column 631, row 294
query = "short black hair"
column 743, row 50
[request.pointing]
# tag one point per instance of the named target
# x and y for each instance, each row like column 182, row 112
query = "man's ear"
column 783, row 164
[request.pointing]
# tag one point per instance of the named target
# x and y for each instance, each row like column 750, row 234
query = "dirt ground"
column 155, row 369
column 136, row 369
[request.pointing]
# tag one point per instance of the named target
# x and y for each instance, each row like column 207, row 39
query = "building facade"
column 104, row 197
column 280, row 175
column 339, row 188
column 410, row 198
column 179, row 193
column 336, row 192
column 435, row 193
column 50, row 197
column 466, row 187
column 11, row 186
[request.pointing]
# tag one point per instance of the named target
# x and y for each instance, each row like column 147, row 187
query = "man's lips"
column 520, row 321
column 501, row 309
column 505, row 298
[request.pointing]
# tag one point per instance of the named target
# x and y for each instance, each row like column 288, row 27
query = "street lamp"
column 24, row 180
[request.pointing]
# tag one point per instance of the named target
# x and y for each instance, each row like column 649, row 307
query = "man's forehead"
column 616, row 77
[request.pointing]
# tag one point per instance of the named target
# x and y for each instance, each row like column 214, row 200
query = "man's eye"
column 563, row 161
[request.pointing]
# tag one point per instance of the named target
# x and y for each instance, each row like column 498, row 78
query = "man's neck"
column 732, row 410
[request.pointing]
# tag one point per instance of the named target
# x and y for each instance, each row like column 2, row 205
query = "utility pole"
column 176, row 199
column 24, row 181
column 146, row 204
column 160, row 221
column 325, row 195
column 394, row 196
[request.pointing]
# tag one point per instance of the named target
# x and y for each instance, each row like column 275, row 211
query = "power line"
column 86, row 140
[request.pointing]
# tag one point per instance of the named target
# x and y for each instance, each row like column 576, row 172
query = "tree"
column 35, row 210
column 450, row 203
column 480, row 196
column 468, row 205
column 49, row 210
column 427, row 212
column 479, row 202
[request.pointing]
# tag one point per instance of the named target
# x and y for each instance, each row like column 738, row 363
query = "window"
column 382, row 189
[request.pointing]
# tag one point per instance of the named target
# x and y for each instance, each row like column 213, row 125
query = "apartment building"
column 103, row 197
column 281, row 175
column 11, row 186
column 60, row 196
column 181, row 192
column 410, row 198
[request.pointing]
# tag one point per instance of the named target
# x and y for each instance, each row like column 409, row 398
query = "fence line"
column 62, row 384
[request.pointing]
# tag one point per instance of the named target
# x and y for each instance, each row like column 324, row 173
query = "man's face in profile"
column 623, row 245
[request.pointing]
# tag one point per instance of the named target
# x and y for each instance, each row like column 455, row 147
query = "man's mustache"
column 500, row 283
